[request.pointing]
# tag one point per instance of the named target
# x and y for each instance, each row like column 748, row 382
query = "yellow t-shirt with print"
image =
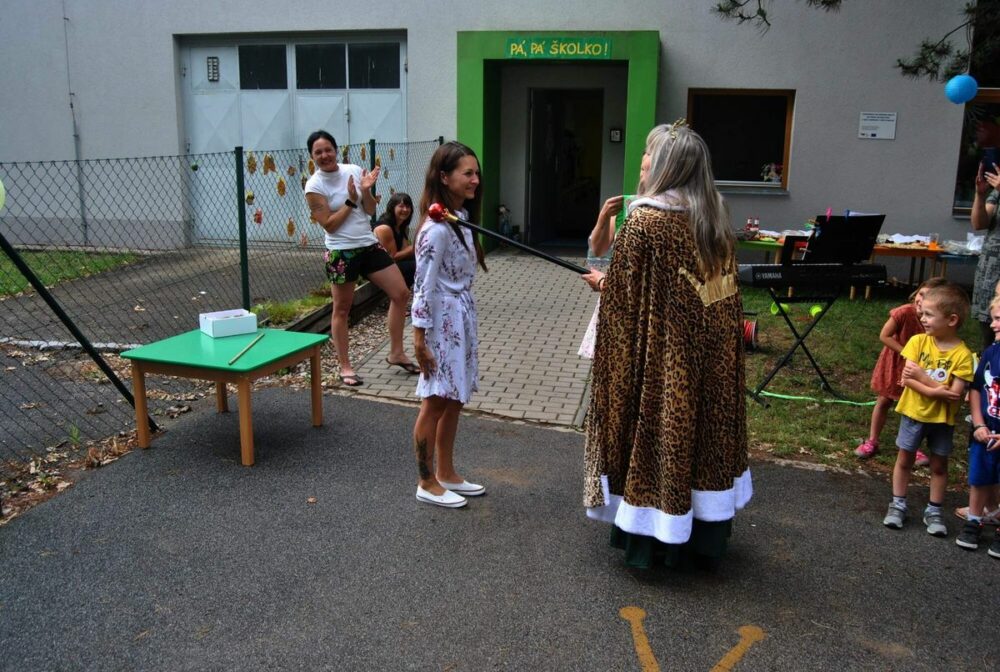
column 942, row 367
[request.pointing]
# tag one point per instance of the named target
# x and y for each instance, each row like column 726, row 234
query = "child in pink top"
column 903, row 323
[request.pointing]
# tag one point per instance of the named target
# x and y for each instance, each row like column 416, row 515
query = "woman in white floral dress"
column 444, row 323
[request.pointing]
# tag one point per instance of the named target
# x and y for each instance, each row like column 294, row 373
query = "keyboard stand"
column 800, row 340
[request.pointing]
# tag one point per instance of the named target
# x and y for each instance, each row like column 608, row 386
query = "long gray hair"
column 680, row 162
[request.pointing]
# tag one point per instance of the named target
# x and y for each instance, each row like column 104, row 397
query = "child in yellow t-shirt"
column 938, row 366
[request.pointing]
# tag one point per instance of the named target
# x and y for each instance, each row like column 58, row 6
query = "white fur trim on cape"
column 657, row 202
column 707, row 505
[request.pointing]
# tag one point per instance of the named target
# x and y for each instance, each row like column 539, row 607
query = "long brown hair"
column 445, row 160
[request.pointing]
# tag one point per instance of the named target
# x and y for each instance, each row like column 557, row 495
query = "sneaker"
column 969, row 536
column 994, row 550
column 935, row 523
column 894, row 517
column 866, row 449
column 922, row 459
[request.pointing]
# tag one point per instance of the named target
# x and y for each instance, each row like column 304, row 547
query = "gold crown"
column 680, row 123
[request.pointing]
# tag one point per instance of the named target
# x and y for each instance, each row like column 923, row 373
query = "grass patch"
column 53, row 267
column 845, row 344
column 283, row 312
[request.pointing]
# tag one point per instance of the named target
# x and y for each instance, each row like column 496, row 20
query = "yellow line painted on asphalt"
column 749, row 635
column 634, row 616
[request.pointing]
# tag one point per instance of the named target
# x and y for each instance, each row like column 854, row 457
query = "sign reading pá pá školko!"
column 558, row 47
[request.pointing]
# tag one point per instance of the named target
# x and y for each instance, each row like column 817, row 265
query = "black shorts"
column 343, row 266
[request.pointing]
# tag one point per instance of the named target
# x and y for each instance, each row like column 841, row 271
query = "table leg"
column 246, row 422
column 141, row 410
column 944, row 268
column 913, row 269
column 315, row 375
column 923, row 265
column 221, row 398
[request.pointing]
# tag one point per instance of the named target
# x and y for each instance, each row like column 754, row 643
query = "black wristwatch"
column 351, row 204
column 975, row 427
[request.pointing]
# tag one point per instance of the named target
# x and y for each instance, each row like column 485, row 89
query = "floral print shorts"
column 343, row 266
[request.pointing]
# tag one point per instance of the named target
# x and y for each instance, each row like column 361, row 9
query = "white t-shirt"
column 356, row 231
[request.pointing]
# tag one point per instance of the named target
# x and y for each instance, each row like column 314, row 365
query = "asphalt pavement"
column 178, row 558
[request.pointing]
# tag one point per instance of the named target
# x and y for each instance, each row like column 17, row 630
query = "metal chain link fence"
column 133, row 250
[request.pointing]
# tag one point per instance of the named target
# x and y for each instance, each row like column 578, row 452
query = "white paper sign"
column 877, row 126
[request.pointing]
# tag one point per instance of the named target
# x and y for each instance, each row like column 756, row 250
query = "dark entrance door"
column 564, row 164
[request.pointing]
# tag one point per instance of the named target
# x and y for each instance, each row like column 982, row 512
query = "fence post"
column 440, row 140
column 371, row 167
column 241, row 206
column 85, row 343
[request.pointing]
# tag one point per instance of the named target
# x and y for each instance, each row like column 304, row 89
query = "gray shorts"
column 940, row 436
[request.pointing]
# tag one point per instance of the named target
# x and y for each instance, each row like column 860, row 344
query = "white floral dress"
column 444, row 307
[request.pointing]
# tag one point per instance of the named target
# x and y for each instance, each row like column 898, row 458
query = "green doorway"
column 481, row 56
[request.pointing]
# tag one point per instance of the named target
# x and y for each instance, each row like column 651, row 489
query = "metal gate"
column 271, row 125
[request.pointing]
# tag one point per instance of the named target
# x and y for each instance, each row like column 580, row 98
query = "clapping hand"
column 368, row 179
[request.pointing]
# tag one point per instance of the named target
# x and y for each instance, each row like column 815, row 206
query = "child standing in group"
column 984, row 449
column 902, row 325
column 938, row 365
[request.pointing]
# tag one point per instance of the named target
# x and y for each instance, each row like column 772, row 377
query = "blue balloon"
column 961, row 89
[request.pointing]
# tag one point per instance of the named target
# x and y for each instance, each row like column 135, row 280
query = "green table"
column 197, row 355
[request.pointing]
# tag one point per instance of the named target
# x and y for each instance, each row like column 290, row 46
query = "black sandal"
column 409, row 367
column 355, row 380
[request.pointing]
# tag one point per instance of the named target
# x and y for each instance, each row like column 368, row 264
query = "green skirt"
column 706, row 546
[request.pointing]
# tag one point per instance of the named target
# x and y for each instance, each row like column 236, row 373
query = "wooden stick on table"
column 249, row 345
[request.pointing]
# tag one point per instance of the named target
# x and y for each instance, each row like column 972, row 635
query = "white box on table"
column 228, row 322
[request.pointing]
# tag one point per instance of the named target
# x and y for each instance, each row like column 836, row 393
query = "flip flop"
column 409, row 367
column 355, row 380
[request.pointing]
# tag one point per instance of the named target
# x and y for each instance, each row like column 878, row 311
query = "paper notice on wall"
column 877, row 126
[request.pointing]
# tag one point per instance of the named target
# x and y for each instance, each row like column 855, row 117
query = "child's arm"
column 888, row 336
column 951, row 392
column 912, row 370
column 982, row 432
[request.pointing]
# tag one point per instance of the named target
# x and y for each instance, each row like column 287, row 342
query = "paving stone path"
column 532, row 315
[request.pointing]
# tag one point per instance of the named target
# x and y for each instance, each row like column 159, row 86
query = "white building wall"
column 122, row 67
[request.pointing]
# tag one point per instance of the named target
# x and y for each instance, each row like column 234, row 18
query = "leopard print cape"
column 667, row 413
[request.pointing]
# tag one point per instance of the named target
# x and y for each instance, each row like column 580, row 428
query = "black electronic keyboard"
column 811, row 275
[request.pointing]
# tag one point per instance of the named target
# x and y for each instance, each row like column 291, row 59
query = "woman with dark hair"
column 352, row 250
column 666, row 449
column 444, row 322
column 392, row 230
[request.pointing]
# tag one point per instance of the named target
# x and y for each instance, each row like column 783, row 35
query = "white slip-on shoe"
column 449, row 499
column 465, row 488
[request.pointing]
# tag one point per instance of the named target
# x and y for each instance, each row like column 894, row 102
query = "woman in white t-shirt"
column 341, row 201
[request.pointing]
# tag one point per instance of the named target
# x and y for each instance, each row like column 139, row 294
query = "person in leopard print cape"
column 666, row 440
